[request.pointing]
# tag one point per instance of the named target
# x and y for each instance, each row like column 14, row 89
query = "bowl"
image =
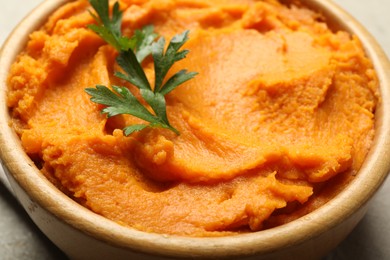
column 82, row 234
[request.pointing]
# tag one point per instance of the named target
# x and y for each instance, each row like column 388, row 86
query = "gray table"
column 20, row 239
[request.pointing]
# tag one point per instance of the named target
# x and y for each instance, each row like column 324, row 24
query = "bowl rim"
column 358, row 192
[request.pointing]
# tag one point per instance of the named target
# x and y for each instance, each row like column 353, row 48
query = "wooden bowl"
column 82, row 234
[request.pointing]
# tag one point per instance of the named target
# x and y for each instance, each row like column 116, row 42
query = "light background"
column 20, row 239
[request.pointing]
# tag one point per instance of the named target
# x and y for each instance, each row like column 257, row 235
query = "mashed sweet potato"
column 278, row 121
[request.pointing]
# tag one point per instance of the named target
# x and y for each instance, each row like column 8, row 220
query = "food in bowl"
column 278, row 121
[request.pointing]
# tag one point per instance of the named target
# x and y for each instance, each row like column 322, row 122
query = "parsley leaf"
column 164, row 61
column 109, row 29
column 132, row 51
column 143, row 42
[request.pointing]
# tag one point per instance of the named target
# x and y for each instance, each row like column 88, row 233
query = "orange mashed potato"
column 278, row 121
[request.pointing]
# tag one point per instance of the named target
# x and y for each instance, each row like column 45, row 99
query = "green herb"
column 132, row 51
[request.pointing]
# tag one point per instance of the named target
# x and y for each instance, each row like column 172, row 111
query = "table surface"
column 21, row 239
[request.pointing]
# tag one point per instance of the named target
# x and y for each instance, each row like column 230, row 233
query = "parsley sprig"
column 132, row 51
